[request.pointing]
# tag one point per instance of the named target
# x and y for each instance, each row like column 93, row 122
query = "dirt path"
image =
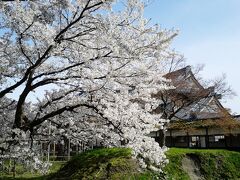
column 190, row 166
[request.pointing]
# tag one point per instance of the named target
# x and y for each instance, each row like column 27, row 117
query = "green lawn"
column 116, row 163
column 23, row 174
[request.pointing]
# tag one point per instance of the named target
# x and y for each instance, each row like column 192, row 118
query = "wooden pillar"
column 9, row 166
column 41, row 150
column 171, row 139
column 188, row 140
column 49, row 143
column 231, row 144
column 69, row 146
column 92, row 144
column 225, row 139
column 207, row 138
column 164, row 137
column 48, row 152
column 14, row 168
column 54, row 148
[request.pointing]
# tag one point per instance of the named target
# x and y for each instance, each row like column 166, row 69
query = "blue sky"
column 209, row 34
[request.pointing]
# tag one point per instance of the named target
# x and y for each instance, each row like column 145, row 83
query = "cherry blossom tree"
column 98, row 68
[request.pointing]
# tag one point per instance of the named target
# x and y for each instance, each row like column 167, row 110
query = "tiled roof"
column 184, row 81
column 237, row 117
column 184, row 78
column 180, row 72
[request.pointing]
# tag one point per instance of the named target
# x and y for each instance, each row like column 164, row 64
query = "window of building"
column 180, row 139
column 211, row 138
column 195, row 141
column 216, row 138
column 195, row 138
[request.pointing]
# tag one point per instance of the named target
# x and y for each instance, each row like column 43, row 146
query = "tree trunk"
column 162, row 137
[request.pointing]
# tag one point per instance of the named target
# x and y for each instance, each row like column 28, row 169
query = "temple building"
column 197, row 117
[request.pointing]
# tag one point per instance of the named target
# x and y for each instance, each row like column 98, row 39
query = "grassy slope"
column 214, row 164
column 112, row 163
